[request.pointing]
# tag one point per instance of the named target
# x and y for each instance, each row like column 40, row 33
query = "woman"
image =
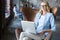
column 44, row 24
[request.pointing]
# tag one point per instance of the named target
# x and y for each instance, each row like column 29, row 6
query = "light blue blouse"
column 49, row 22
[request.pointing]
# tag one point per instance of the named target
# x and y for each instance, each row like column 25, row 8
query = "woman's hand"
column 42, row 32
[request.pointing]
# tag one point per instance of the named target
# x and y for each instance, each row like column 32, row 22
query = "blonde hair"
column 48, row 7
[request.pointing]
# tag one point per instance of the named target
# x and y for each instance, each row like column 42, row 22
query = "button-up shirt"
column 47, row 20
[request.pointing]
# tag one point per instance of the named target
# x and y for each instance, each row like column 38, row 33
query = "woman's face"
column 43, row 6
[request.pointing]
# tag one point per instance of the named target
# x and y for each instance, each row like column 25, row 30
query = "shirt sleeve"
column 36, row 20
column 53, row 26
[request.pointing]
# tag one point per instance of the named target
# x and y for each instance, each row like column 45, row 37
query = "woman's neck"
column 44, row 12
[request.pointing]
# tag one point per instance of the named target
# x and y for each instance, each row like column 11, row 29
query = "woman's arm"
column 36, row 19
column 49, row 30
column 52, row 22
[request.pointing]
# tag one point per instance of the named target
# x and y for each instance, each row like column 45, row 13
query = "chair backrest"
column 54, row 11
column 28, row 13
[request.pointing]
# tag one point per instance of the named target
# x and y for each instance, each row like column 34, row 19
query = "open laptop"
column 28, row 26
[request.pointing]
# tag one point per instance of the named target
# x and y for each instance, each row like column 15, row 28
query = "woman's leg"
column 31, row 36
column 48, row 36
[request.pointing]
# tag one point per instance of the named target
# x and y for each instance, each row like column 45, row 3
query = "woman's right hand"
column 42, row 32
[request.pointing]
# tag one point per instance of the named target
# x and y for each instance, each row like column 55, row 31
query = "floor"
column 8, row 36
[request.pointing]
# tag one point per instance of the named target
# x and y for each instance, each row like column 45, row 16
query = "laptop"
column 28, row 26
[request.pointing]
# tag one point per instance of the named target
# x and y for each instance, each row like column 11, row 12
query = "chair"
column 29, row 15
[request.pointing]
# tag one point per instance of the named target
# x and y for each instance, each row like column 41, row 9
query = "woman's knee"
column 22, row 34
column 25, row 38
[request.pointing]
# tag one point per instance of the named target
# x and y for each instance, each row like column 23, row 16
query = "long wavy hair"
column 48, row 7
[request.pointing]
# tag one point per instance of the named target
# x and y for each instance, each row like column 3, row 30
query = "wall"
column 51, row 2
column 36, row 3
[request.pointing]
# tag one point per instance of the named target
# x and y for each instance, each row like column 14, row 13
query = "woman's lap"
column 30, row 35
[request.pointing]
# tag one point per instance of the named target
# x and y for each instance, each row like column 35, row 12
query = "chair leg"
column 17, row 32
